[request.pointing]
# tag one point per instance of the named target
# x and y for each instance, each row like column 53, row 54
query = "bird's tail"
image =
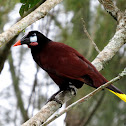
column 117, row 92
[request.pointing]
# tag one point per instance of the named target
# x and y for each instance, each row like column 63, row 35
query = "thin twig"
column 86, row 98
column 15, row 80
column 88, row 35
column 33, row 89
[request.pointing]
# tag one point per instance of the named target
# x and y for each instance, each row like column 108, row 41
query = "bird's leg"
column 61, row 94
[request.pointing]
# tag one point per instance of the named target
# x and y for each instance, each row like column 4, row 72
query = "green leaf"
column 21, row 12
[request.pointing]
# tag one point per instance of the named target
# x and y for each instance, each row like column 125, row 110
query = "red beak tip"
column 17, row 43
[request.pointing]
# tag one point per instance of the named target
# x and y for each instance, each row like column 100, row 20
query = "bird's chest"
column 47, row 59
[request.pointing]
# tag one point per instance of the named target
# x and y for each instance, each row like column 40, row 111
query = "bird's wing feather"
column 65, row 61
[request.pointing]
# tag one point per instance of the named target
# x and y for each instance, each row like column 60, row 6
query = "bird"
column 65, row 65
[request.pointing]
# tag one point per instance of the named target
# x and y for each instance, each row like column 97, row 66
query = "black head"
column 33, row 39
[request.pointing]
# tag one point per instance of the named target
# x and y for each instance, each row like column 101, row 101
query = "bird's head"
column 32, row 39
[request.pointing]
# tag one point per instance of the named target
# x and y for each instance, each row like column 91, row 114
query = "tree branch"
column 87, row 97
column 39, row 13
column 4, row 52
column 118, row 40
column 49, row 109
column 112, row 9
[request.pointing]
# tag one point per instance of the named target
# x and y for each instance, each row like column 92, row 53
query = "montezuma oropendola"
column 64, row 64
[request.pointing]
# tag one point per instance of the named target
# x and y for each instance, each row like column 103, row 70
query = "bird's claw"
column 53, row 98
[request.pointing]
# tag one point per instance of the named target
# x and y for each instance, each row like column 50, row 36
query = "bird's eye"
column 33, row 38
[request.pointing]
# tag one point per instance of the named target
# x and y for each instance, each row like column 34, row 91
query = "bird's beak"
column 17, row 43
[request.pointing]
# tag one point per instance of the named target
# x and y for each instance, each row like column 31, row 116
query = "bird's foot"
column 54, row 98
column 60, row 95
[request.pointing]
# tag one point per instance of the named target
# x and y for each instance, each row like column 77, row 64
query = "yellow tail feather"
column 121, row 96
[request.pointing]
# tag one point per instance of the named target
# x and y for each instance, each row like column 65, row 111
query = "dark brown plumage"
column 63, row 63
